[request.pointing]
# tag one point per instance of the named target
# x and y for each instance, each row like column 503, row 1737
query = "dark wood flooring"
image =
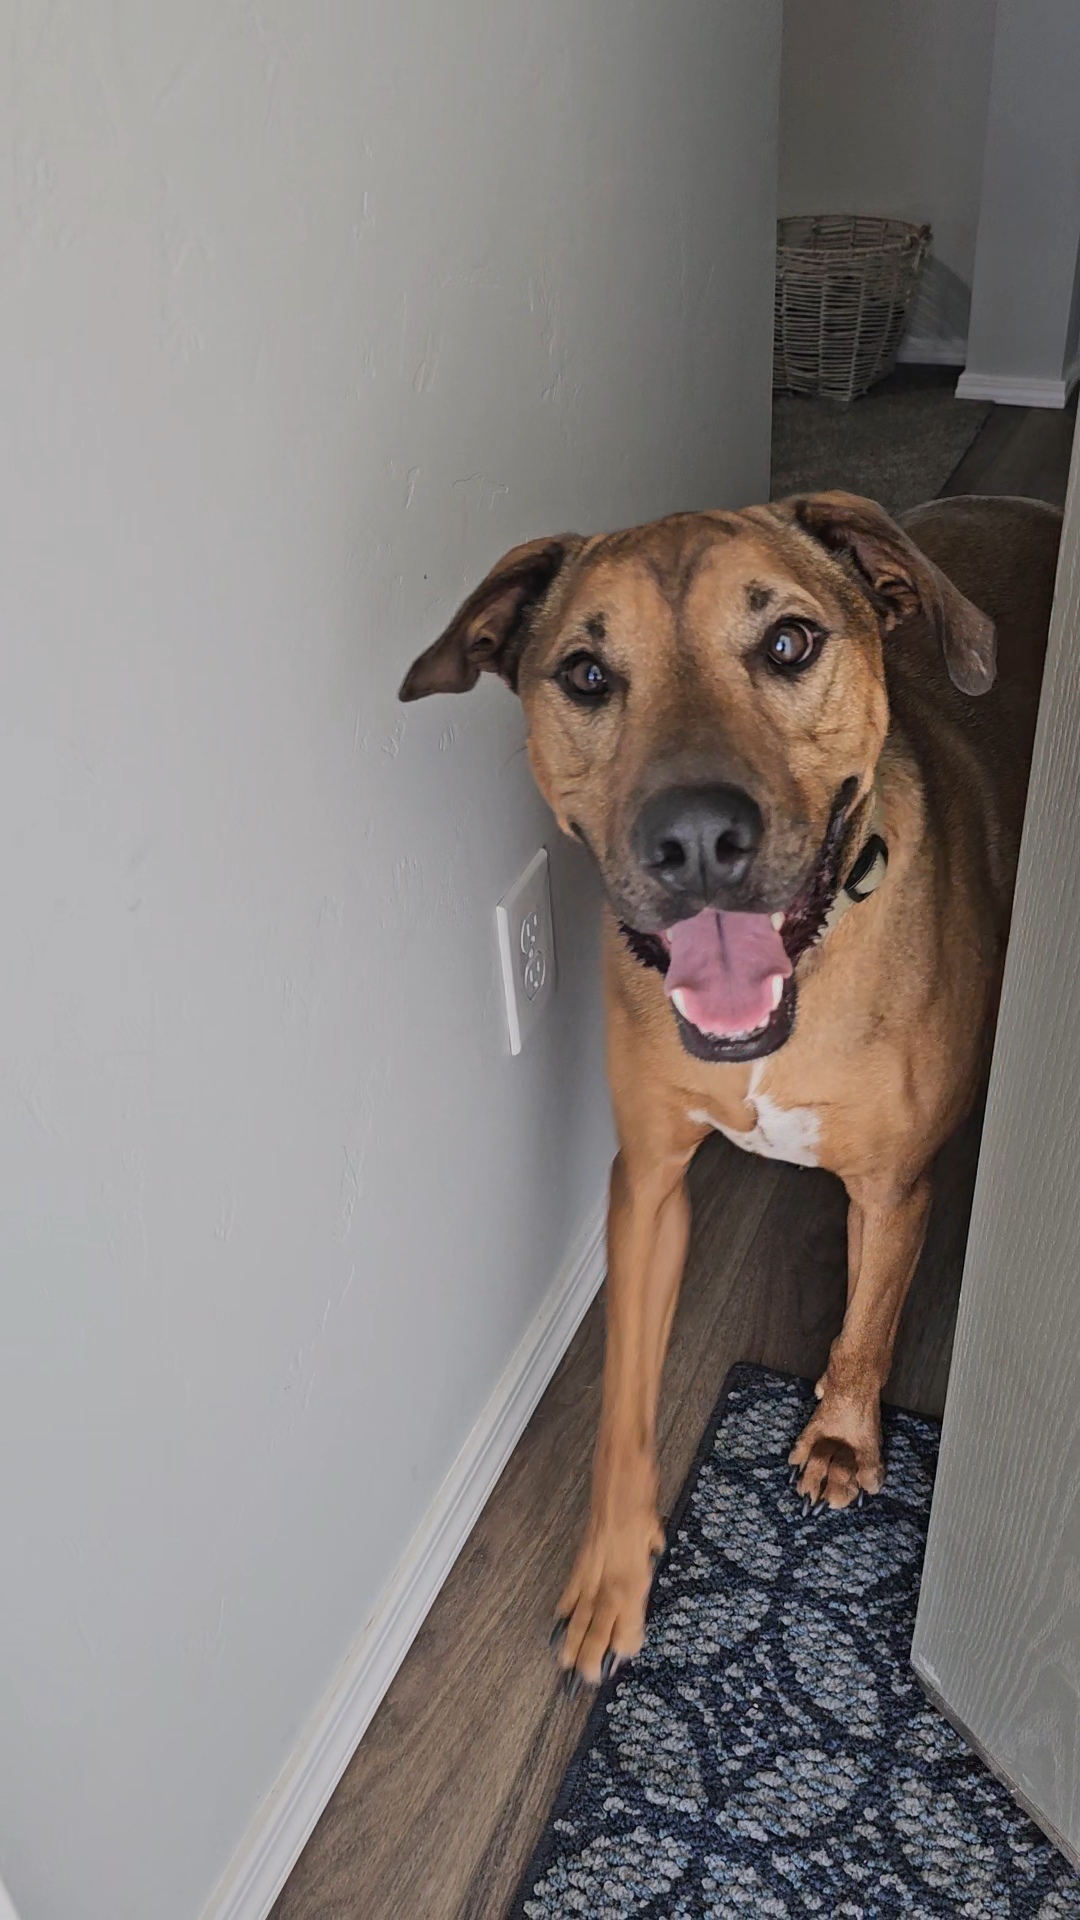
column 1024, row 450
column 441, row 1805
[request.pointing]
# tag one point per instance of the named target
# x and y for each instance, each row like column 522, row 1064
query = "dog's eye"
column 584, row 679
column 792, row 645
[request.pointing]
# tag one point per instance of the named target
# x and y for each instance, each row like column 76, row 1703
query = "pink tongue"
column 723, row 966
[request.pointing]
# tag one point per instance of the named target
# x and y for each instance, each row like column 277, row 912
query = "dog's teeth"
column 777, row 989
column 678, row 1002
column 777, row 921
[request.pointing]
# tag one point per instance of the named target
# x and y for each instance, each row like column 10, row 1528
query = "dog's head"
column 705, row 700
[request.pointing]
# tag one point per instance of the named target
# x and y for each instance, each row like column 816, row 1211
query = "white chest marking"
column 779, row 1133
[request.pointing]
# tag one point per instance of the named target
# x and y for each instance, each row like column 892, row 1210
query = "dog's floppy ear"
column 902, row 580
column 487, row 633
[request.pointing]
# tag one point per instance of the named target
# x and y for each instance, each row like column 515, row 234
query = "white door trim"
column 1015, row 390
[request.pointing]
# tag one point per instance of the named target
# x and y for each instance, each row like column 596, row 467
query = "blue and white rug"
column 770, row 1754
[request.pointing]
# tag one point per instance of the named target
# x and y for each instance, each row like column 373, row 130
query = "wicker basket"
column 844, row 284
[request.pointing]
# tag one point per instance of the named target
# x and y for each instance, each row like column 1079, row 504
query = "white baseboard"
column 931, row 350
column 282, row 1825
column 1010, row 390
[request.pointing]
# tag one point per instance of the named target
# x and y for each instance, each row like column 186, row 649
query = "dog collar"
column 864, row 877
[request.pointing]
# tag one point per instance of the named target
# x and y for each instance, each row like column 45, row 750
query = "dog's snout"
column 698, row 842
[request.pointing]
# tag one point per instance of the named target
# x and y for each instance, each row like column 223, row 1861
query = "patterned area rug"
column 771, row 1753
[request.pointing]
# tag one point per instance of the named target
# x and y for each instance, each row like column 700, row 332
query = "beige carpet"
column 898, row 445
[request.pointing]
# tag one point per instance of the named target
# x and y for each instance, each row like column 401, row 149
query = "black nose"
column 698, row 841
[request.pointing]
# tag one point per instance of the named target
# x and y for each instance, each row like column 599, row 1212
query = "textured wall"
column 310, row 310
column 884, row 111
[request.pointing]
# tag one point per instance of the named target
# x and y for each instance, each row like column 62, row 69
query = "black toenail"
column 558, row 1631
column 807, row 1506
column 861, row 1501
column 793, row 1474
column 606, row 1665
column 571, row 1685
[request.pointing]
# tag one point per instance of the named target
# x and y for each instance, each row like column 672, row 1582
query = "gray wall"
column 884, row 111
column 1023, row 318
column 310, row 312
column 998, row 1630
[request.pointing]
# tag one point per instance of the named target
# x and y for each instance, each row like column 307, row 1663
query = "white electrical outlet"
column 526, row 949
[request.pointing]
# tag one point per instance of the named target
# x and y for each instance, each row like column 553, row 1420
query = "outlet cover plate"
column 526, row 949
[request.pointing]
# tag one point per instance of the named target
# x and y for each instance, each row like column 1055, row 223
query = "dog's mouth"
column 729, row 980
column 730, row 977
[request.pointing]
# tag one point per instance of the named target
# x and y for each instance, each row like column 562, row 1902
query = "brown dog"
column 763, row 725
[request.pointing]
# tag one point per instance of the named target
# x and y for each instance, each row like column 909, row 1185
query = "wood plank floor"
column 439, row 1808
column 1023, row 450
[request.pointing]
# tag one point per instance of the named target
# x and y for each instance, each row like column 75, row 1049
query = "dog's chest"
column 778, row 1133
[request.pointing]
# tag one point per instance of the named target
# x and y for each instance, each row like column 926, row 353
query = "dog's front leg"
column 601, row 1614
column 839, row 1450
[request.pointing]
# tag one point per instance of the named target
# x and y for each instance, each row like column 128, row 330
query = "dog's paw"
column 600, row 1618
column 837, row 1459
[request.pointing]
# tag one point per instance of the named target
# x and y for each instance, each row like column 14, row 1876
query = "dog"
column 795, row 739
